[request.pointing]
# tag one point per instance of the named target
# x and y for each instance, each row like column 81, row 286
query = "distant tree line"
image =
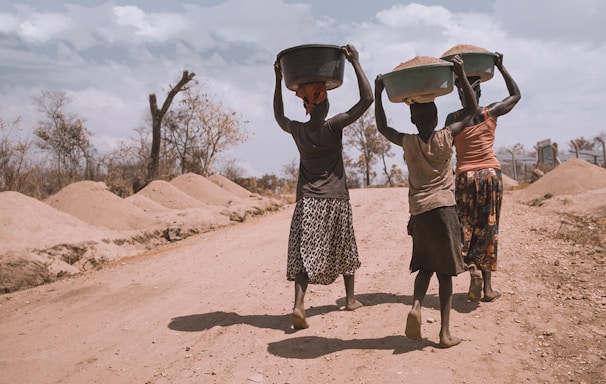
column 194, row 135
column 189, row 132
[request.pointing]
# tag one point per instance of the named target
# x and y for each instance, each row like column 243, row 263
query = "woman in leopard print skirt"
column 321, row 244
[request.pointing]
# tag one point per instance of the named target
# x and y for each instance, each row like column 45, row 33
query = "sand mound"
column 166, row 194
column 230, row 186
column 571, row 177
column 203, row 189
column 33, row 224
column 419, row 61
column 93, row 203
column 146, row 204
column 463, row 48
column 508, row 182
column 586, row 204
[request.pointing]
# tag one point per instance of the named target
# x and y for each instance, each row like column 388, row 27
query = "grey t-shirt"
column 321, row 170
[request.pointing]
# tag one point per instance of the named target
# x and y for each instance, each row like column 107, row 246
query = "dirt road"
column 215, row 308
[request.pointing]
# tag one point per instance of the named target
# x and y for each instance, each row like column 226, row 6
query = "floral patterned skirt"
column 479, row 196
column 322, row 243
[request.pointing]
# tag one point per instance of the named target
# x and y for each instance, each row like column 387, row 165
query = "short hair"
column 423, row 111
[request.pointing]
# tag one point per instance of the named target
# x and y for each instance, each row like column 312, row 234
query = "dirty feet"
column 489, row 297
column 475, row 284
column 447, row 341
column 299, row 321
column 353, row 305
column 413, row 325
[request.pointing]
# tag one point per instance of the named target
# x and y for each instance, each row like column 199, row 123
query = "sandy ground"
column 214, row 307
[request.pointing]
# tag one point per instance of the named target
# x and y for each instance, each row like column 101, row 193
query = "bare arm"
column 502, row 107
column 346, row 118
column 381, row 120
column 469, row 97
column 282, row 120
column 450, row 118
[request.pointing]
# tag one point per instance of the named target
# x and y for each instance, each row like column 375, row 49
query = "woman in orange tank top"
column 479, row 186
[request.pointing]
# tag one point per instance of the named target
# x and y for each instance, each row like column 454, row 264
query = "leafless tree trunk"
column 157, row 115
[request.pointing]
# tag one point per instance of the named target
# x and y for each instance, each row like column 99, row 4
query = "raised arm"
column 366, row 98
column 469, row 99
column 381, row 120
column 502, row 107
column 282, row 120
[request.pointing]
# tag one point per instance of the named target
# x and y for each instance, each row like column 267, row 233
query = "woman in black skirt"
column 433, row 225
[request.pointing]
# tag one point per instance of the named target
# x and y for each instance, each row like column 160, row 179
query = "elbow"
column 368, row 100
column 365, row 102
column 367, row 96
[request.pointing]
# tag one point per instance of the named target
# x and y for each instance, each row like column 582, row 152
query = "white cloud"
column 42, row 27
column 561, row 20
column 156, row 27
column 8, row 23
column 413, row 15
column 112, row 57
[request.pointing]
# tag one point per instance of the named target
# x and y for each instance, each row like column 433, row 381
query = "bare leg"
column 475, row 283
column 351, row 303
column 299, row 320
column 445, row 292
column 489, row 293
column 413, row 321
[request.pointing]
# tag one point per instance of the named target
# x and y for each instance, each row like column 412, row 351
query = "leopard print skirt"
column 322, row 243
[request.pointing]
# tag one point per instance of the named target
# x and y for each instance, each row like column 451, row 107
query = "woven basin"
column 419, row 84
column 476, row 64
column 312, row 62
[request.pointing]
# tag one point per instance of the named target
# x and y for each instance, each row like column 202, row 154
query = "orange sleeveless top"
column 475, row 146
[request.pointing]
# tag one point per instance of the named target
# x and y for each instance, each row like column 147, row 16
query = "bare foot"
column 299, row 321
column 475, row 284
column 447, row 341
column 492, row 296
column 353, row 305
column 413, row 325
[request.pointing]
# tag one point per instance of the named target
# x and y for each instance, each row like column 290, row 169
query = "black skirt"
column 436, row 242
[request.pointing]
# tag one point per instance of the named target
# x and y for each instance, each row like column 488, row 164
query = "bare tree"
column 351, row 170
column 290, row 173
column 364, row 137
column 12, row 156
column 157, row 116
column 232, row 170
column 200, row 130
column 582, row 144
column 124, row 169
column 181, row 136
column 517, row 149
column 395, row 176
column 64, row 137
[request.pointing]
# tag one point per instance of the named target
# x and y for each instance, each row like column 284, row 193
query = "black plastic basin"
column 312, row 62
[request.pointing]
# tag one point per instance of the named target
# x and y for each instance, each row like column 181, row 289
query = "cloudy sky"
column 110, row 55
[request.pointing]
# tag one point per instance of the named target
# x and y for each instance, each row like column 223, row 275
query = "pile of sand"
column 571, row 177
column 84, row 224
column 169, row 196
column 419, row 61
column 93, row 203
column 146, row 204
column 30, row 223
column 509, row 182
column 463, row 48
column 230, row 186
column 575, row 187
column 204, row 190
